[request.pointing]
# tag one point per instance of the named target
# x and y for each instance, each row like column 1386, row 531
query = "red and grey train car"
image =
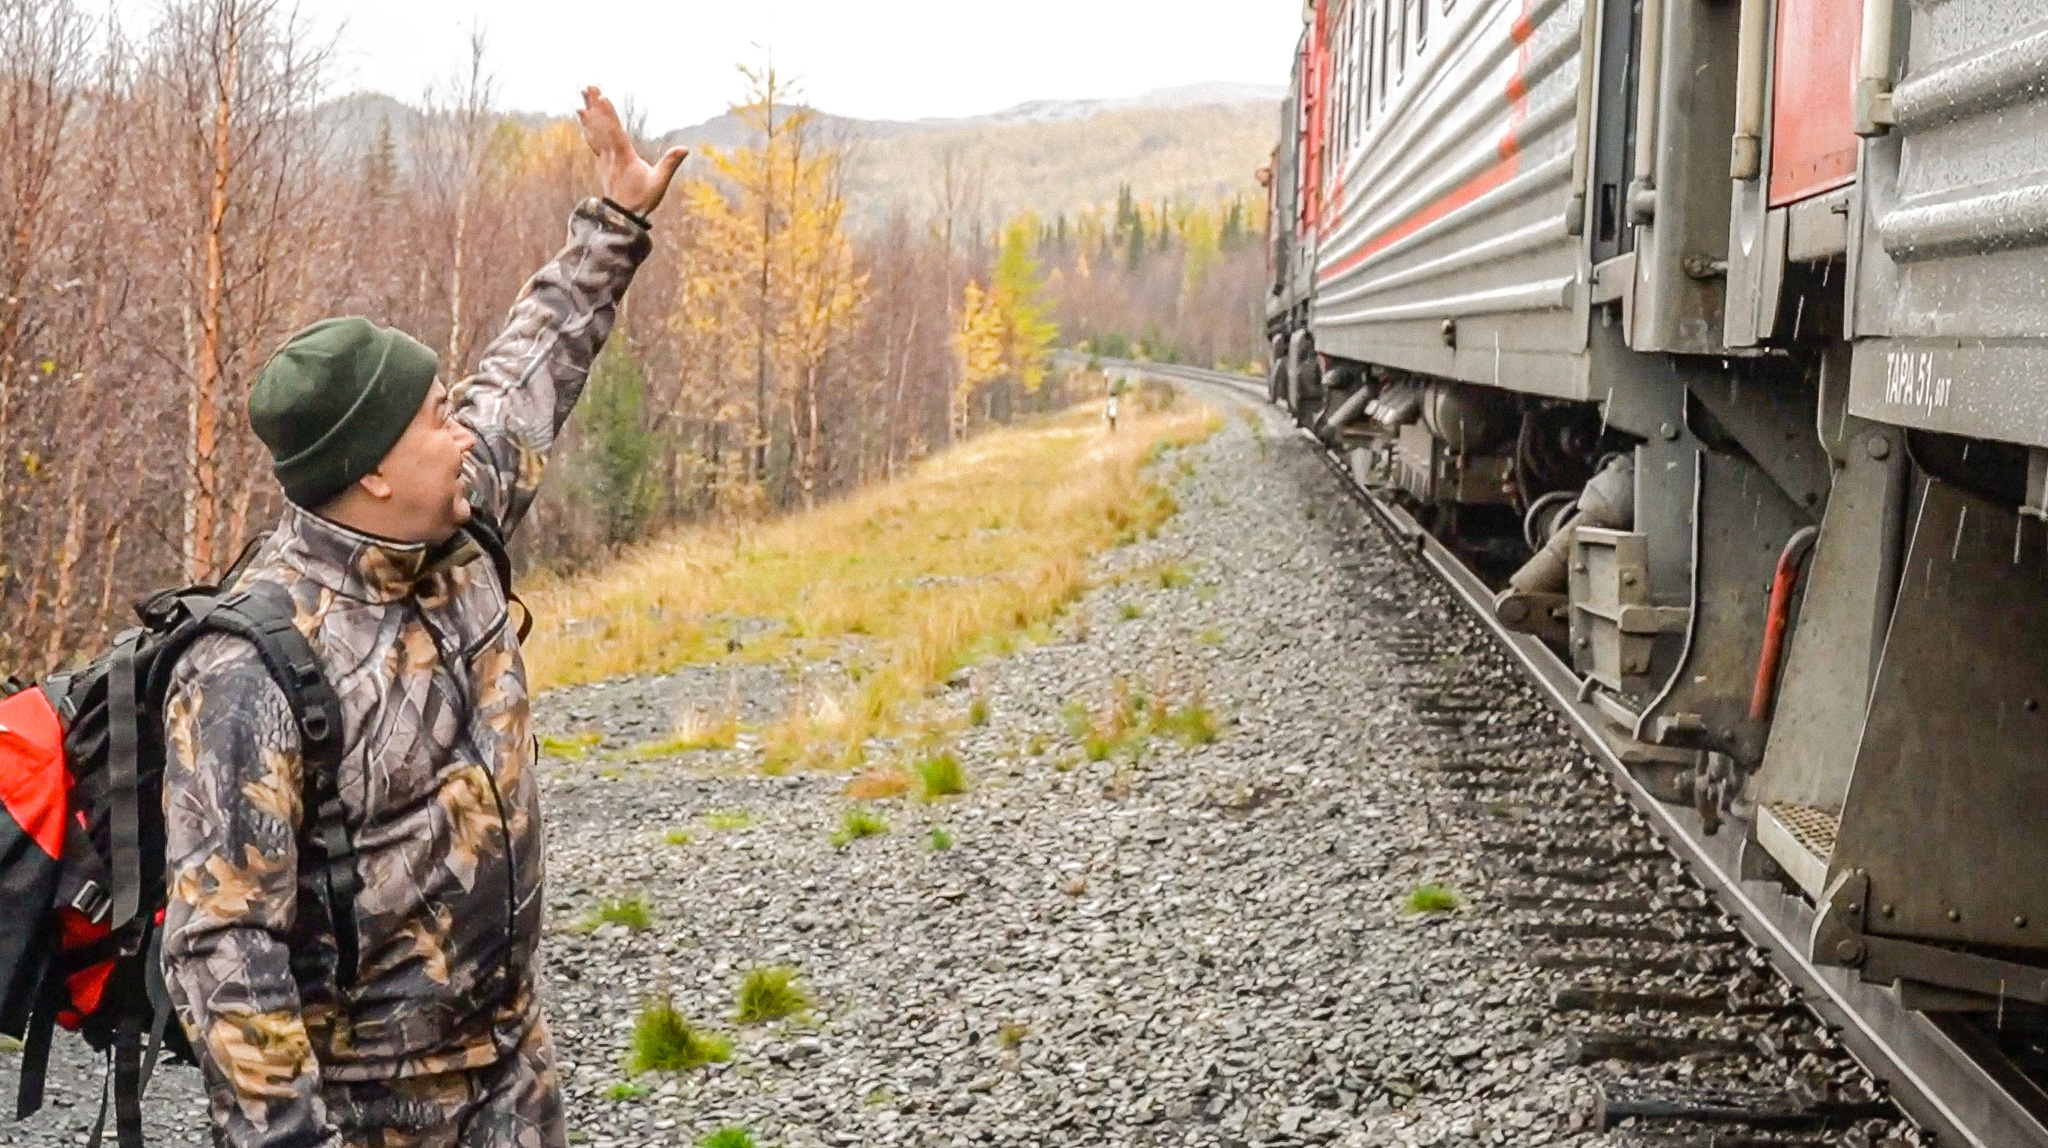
column 1716, row 332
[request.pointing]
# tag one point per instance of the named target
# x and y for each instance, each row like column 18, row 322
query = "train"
column 1714, row 333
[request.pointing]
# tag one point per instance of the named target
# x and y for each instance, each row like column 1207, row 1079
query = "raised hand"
column 629, row 181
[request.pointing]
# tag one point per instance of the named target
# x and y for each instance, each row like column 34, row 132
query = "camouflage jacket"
column 437, row 773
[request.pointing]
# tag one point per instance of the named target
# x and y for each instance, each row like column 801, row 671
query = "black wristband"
column 615, row 205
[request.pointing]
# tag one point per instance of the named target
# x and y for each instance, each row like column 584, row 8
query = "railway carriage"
column 1715, row 334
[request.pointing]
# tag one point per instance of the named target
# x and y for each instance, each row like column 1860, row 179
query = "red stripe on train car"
column 1510, row 150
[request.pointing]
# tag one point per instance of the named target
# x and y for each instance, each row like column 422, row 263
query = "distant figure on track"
column 388, row 995
column 1116, row 390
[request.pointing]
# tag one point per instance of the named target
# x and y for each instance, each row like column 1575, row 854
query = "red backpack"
column 82, row 863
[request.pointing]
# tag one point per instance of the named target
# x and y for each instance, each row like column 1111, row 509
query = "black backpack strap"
column 160, row 1006
column 35, row 1045
column 489, row 537
column 127, row 1073
column 124, row 826
column 99, row 1123
column 262, row 615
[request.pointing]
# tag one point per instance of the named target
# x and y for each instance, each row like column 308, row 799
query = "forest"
column 178, row 202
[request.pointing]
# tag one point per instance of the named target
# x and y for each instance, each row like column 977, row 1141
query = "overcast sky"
column 900, row 59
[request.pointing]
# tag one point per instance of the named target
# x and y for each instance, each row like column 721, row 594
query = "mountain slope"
column 1198, row 142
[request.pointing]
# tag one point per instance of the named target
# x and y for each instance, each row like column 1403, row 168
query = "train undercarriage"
column 1823, row 635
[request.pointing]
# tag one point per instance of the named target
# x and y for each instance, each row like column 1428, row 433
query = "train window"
column 1366, row 71
column 1397, row 38
column 1348, row 47
column 1354, row 68
column 1384, row 57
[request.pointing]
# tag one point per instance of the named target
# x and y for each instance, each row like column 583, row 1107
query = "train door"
column 1813, row 132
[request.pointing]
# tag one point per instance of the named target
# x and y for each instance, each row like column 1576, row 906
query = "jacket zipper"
column 468, row 737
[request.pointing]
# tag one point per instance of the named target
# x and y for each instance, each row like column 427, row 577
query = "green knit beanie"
column 333, row 400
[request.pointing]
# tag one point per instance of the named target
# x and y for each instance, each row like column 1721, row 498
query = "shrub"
column 977, row 711
column 1130, row 611
column 730, row 1136
column 770, row 993
column 939, row 840
column 665, row 1041
column 941, row 776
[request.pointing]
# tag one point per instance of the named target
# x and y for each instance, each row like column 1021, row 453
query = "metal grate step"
column 1801, row 838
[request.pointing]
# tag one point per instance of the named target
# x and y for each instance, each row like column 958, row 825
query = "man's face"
column 424, row 472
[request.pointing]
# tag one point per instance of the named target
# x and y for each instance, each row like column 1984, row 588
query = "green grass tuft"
column 1130, row 611
column 572, row 747
column 628, row 911
column 730, row 1136
column 938, row 841
column 677, row 837
column 665, row 1041
column 1192, row 724
column 626, row 1090
column 977, row 711
column 724, row 819
column 856, row 824
column 1432, row 899
column 1210, row 637
column 941, row 776
column 770, row 993
column 1012, row 1034
column 1173, row 577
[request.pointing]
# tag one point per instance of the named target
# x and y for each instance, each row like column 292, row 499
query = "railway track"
column 1665, row 981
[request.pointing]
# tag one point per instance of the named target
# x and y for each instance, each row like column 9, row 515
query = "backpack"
column 82, row 859
column 82, row 843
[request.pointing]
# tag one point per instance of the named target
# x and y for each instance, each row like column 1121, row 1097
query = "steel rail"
column 1938, row 1073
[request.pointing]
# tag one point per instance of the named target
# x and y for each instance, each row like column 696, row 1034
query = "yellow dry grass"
column 906, row 582
column 878, row 785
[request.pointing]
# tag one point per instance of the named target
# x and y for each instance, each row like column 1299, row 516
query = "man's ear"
column 374, row 485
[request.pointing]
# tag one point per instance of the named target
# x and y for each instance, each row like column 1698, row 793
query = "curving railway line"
column 1960, row 1077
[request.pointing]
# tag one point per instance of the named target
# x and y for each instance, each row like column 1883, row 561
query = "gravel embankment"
column 1208, row 945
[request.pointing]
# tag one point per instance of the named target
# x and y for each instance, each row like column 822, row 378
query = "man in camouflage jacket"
column 439, row 1040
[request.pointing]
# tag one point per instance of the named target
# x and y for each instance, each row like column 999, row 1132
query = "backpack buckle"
column 92, row 902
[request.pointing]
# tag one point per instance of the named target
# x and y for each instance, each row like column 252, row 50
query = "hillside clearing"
column 901, row 584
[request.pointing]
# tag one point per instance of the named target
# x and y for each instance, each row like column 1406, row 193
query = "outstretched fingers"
column 602, row 130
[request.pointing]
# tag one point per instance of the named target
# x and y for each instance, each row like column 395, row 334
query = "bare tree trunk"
column 107, row 578
column 67, row 569
column 902, row 378
column 473, row 120
column 768, row 92
column 202, row 490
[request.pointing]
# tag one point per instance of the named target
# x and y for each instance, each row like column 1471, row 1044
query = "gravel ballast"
column 1207, row 944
